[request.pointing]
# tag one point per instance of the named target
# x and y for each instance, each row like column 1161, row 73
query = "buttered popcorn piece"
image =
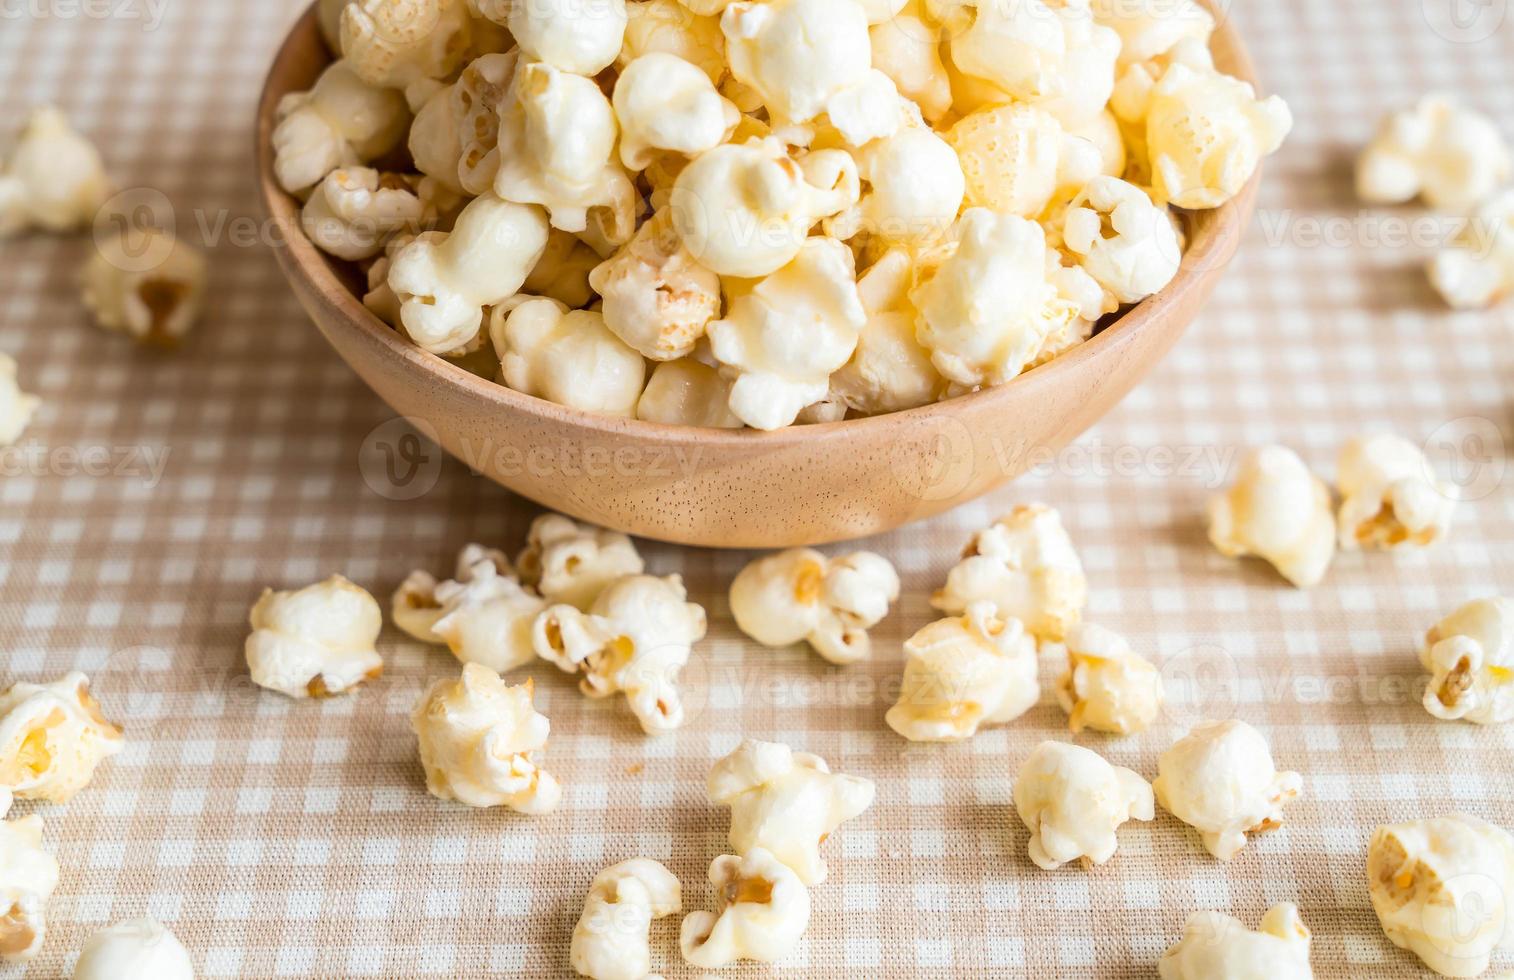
column 394, row 43
column 145, row 283
column 634, row 640
column 53, row 178
column 915, row 187
column 1026, row 566
column 657, row 298
column 435, row 140
column 1017, row 159
column 137, row 949
column 668, row 27
column 474, row 106
column 52, row 737
column 1441, row 890
column 1216, row 946
column 28, row 877
column 964, row 672
column 486, row 618
column 665, row 103
column 1073, row 802
column 16, row 406
column 1150, row 30
column 354, row 211
column 1470, row 656
column 1220, row 780
column 342, row 121
column 1440, row 151
column 611, row 940
column 785, row 802
column 688, row 392
column 570, row 562
column 569, row 357
column 1477, row 269
column 1107, row 687
column 803, row 595
column 579, row 36
column 1126, row 243
column 762, row 911
column 1279, row 511
column 562, row 273
column 1391, row 496
column 798, row 55
column 315, row 642
column 907, row 50
column 414, row 606
column 477, row 738
column 889, row 371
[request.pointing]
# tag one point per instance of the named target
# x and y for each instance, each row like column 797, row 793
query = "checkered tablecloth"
column 155, row 496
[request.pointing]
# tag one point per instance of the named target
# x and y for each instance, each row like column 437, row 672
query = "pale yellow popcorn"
column 1026, row 566
column 16, row 406
column 803, row 595
column 1126, row 243
column 1477, row 269
column 474, row 104
column 1073, row 802
column 1391, row 498
column 669, row 27
column 915, row 187
column 562, row 273
column 1150, row 28
column 964, row 672
column 889, row 371
column 1107, row 687
column 341, row 122
column 1441, row 890
column 486, row 617
column 28, row 877
column 706, row 8
column 1216, row 946
column 137, row 949
column 146, row 284
column 634, row 639
column 664, row 103
column 612, row 938
column 1450, row 156
column 1470, row 656
column 688, row 392
column 443, row 280
column 315, row 642
column 1278, row 511
column 907, row 50
column 570, row 562
column 393, row 43
column 657, row 298
column 53, row 178
column 414, row 606
column 579, row 36
column 569, row 357
column 797, row 54
column 354, row 211
column 52, row 737
column 762, row 912
column 1103, row 131
column 477, row 736
column 1018, row 158
column 781, row 339
column 435, row 140
column 1220, row 780
column 380, row 300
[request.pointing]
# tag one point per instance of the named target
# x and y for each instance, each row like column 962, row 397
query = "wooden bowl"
column 723, row 488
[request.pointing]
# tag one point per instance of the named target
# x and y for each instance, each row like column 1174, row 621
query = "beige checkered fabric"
column 155, row 495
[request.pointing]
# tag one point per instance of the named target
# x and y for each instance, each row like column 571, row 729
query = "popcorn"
column 1220, row 780
column 315, row 642
column 52, row 737
column 907, row 50
column 570, row 562
column 474, row 105
column 989, row 307
column 393, row 43
column 745, row 210
column 786, row 803
column 146, row 284
column 485, row 617
column 781, row 339
column 443, row 280
column 54, row 178
column 687, row 392
column 579, row 36
column 1470, row 655
column 916, row 187
column 665, row 103
column 797, row 54
column 657, row 298
column 1126, row 243
column 1073, row 802
column 354, row 211
column 477, row 736
column 28, row 877
column 668, row 27
column 803, row 595
column 1103, row 131
column 1441, row 890
column 763, row 911
column 1445, row 153
column 1477, row 269
column 567, row 357
column 137, row 949
column 16, row 406
column 1216, row 946
column 1026, row 566
column 1279, row 511
column 341, row 122
column 562, row 272
column 1391, row 497
column 1018, row 158
column 1150, row 30
column 1107, row 687
column 611, row 940
column 964, row 672
column 435, row 140
column 634, row 639
column 889, row 371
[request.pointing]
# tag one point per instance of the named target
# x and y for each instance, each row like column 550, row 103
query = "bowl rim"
column 1206, row 254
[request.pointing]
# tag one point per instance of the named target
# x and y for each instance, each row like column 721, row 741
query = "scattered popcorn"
column 1440, row 151
column 611, row 940
column 963, row 672
column 146, row 284
column 341, row 122
column 1477, row 269
column 570, row 562
column 1126, row 243
column 1279, row 511
column 315, row 642
column 354, row 211
column 664, row 103
column 763, row 911
column 579, row 36
column 634, row 639
column 1391, row 496
column 1017, row 159
column 477, row 736
column 657, row 298
column 1470, row 656
column 137, row 949
column 786, row 803
column 1026, row 566
column 889, row 371
column 16, row 406
column 668, row 27
column 803, row 595
column 687, row 392
column 1220, row 780
column 1107, row 687
column 28, row 876
column 52, row 736
column 1441, row 890
column 569, row 357
column 1216, row 946
column 394, row 43
column 53, row 178
column 1073, row 802
column 485, row 615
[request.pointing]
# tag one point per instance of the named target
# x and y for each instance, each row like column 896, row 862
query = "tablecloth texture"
column 155, row 496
